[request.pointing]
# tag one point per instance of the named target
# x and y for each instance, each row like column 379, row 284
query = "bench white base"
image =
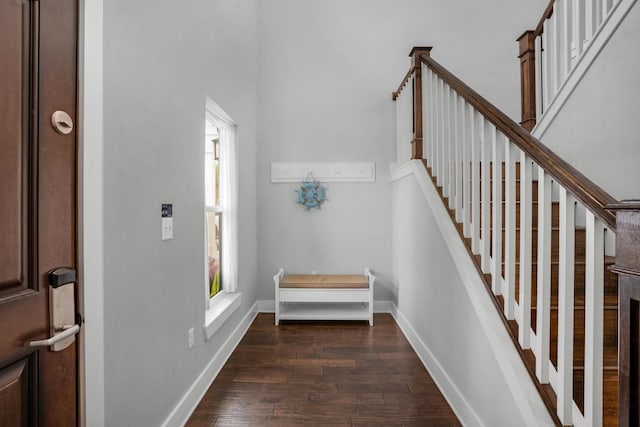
column 323, row 303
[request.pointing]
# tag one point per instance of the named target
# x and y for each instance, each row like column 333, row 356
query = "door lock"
column 62, row 122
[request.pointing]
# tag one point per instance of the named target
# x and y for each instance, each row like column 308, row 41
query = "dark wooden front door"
column 38, row 49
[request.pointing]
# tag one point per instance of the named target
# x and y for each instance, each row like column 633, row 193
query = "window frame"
column 222, row 305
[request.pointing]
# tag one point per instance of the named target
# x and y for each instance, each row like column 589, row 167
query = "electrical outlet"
column 192, row 338
column 314, row 272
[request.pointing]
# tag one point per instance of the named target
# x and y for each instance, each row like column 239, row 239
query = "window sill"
column 221, row 307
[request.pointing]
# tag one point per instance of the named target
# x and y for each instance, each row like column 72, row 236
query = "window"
column 213, row 211
column 220, row 202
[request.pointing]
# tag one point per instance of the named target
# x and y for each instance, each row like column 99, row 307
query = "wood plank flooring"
column 323, row 374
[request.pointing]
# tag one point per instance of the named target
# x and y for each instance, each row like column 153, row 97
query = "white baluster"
column 539, row 88
column 565, row 307
column 486, row 197
column 407, row 131
column 598, row 14
column 525, row 251
column 458, row 144
column 426, row 110
column 578, row 29
column 589, row 28
column 546, row 85
column 594, row 321
column 399, row 128
column 432, row 120
column 552, row 44
column 435, row 168
column 510, row 230
column 432, row 103
column 451, row 180
column 606, row 8
column 565, row 47
column 475, row 179
column 466, row 169
column 402, row 125
column 446, row 140
column 409, row 100
column 543, row 305
column 439, row 123
column 497, row 147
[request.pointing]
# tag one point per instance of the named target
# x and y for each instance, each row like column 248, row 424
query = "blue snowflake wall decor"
column 311, row 194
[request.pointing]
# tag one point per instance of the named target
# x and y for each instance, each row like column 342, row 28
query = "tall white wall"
column 327, row 70
column 595, row 131
column 161, row 59
column 433, row 301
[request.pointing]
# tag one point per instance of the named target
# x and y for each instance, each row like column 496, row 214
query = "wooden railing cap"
column 624, row 205
column 421, row 50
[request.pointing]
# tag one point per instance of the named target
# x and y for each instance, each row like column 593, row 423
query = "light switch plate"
column 167, row 228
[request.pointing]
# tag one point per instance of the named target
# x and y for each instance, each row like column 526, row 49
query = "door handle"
column 62, row 312
column 67, row 331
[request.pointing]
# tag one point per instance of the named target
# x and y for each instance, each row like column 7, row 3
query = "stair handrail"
column 583, row 189
column 546, row 15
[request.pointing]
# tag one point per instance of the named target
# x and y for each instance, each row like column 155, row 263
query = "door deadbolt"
column 62, row 122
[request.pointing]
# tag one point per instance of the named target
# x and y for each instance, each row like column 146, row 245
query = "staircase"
column 547, row 267
column 610, row 344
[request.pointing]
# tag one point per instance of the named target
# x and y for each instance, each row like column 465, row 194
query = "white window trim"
column 221, row 306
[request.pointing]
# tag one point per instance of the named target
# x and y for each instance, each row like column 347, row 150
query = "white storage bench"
column 324, row 296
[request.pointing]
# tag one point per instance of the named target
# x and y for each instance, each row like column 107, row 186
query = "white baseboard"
column 266, row 306
column 183, row 410
column 384, row 307
column 451, row 393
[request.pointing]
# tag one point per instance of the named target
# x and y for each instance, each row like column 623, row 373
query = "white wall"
column 306, row 80
column 595, row 131
column 433, row 300
column 161, row 59
column 327, row 70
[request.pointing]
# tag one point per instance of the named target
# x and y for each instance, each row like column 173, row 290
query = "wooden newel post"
column 416, row 66
column 627, row 267
column 527, row 55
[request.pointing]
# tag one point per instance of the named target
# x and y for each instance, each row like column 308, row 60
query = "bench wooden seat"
column 324, row 281
column 324, row 296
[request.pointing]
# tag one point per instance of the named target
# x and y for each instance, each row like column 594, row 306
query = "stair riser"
column 610, row 355
column 534, row 189
column 579, row 246
column 610, row 394
column 610, row 285
column 555, row 214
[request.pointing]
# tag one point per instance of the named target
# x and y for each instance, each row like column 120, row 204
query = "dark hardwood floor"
column 323, row 374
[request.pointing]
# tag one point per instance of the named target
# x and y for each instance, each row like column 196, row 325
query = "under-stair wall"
column 446, row 313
